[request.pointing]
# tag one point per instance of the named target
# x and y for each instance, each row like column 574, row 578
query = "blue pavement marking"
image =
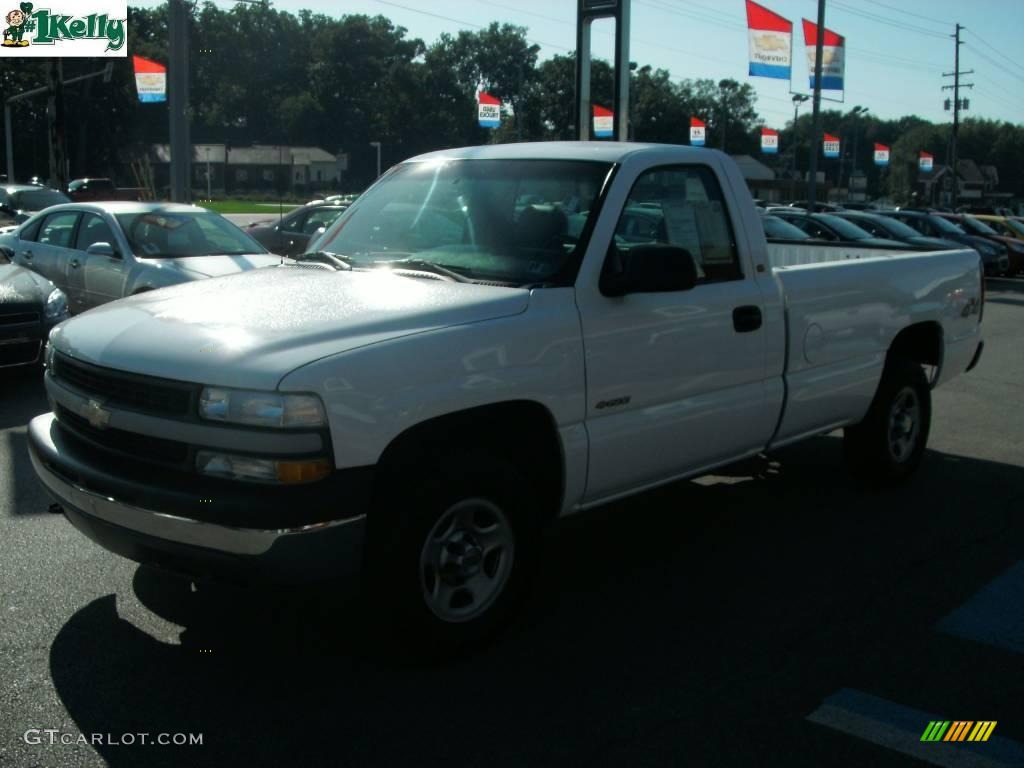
column 899, row 728
column 995, row 615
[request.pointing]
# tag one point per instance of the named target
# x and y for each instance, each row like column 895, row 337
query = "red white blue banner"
column 833, row 57
column 698, row 131
column 150, row 80
column 831, row 145
column 770, row 38
column 769, row 141
column 604, row 122
column 881, row 155
column 488, row 110
column 926, row 162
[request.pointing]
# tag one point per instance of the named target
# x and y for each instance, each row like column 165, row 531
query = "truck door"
column 675, row 380
column 95, row 279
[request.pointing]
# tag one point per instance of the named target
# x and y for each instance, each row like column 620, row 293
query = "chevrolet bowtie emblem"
column 96, row 414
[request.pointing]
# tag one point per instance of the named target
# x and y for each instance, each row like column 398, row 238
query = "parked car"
column 30, row 306
column 974, row 226
column 853, row 205
column 98, row 252
column 419, row 398
column 19, row 201
column 993, row 255
column 892, row 229
column 819, row 207
column 780, row 229
column 290, row 236
column 94, row 189
column 1009, row 226
column 832, row 228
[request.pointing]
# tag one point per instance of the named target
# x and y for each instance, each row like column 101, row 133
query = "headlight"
column 56, row 305
column 261, row 409
column 285, row 472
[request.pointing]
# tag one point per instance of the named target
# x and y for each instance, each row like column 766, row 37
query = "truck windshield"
column 508, row 221
column 174, row 234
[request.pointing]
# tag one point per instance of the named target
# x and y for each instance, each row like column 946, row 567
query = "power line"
column 883, row 20
column 995, row 50
column 990, row 60
column 910, row 13
column 525, row 12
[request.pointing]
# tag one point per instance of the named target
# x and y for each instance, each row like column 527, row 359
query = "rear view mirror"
column 101, row 249
column 648, row 269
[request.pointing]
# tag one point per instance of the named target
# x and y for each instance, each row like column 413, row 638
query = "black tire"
column 887, row 446
column 401, row 569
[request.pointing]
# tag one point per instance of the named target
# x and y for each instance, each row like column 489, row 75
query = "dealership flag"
column 150, row 79
column 698, row 128
column 770, row 39
column 881, row 155
column 769, row 141
column 831, row 145
column 604, row 122
column 925, row 162
column 833, row 57
column 488, row 110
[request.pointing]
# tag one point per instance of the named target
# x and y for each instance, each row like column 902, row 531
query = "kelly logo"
column 101, row 32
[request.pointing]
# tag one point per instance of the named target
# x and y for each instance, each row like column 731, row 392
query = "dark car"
column 832, row 228
column 819, row 207
column 291, row 235
column 30, row 305
column 19, row 201
column 973, row 226
column 993, row 256
column 893, row 229
column 777, row 229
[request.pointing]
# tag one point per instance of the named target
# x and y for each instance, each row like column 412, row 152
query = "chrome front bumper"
column 308, row 552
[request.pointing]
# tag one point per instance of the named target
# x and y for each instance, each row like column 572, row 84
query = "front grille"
column 144, row 447
column 17, row 318
column 21, row 352
column 138, row 393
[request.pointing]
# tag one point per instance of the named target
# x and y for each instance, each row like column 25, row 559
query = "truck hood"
column 252, row 329
column 216, row 266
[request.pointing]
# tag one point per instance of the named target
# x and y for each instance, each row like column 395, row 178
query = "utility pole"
column 816, row 119
column 955, row 87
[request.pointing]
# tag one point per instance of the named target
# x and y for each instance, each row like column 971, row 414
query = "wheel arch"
column 523, row 432
column 921, row 343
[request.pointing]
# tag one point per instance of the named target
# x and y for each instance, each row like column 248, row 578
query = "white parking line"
column 993, row 616
column 900, row 728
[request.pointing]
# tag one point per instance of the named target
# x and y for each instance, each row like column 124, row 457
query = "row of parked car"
column 999, row 240
column 59, row 257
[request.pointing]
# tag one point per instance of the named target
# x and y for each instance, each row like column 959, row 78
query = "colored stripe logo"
column 959, row 730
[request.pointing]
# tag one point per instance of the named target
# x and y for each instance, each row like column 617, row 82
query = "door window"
column 294, row 225
column 321, row 217
column 58, row 229
column 31, row 230
column 682, row 206
column 93, row 230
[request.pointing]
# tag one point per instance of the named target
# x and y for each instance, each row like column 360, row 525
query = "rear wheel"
column 887, row 446
column 450, row 551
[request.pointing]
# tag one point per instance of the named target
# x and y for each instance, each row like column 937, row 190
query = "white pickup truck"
column 488, row 339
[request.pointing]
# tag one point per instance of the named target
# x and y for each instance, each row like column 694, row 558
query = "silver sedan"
column 98, row 252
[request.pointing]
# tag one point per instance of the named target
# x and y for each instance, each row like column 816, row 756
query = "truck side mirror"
column 652, row 268
column 102, row 249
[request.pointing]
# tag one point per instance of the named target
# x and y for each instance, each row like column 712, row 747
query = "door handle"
column 74, row 263
column 27, row 255
column 746, row 319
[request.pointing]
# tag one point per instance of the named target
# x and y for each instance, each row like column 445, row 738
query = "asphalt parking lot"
column 776, row 614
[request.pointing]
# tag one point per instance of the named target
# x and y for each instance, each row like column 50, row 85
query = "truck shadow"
column 652, row 624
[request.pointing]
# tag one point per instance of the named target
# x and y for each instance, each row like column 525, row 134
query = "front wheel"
column 450, row 551
column 888, row 445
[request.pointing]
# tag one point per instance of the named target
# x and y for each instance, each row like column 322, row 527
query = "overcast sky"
column 897, row 50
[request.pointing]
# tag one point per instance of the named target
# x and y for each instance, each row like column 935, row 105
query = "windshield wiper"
column 336, row 260
column 423, row 265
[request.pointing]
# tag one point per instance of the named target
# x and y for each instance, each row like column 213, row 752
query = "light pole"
column 726, row 87
column 798, row 99
column 858, row 110
column 209, row 193
column 377, row 145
